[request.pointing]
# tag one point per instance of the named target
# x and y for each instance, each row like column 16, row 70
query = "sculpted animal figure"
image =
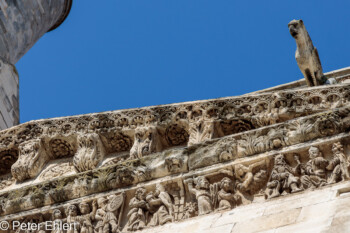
column 307, row 56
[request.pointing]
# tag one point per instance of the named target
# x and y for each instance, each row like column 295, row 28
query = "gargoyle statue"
column 307, row 56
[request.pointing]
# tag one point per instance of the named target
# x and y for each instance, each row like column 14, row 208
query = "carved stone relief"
column 7, row 158
column 174, row 162
column 32, row 158
column 147, row 140
column 90, row 152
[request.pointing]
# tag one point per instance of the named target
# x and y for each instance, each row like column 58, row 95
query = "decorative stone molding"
column 136, row 169
column 199, row 192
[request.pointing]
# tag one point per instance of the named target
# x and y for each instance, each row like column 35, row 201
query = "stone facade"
column 263, row 162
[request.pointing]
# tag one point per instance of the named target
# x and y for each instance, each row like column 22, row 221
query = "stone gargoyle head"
column 296, row 27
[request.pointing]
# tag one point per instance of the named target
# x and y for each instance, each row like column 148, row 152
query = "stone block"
column 268, row 222
column 239, row 214
column 298, row 200
column 220, row 229
column 305, row 227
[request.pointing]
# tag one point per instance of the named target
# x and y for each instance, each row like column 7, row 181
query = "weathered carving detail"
column 137, row 213
column 109, row 212
column 328, row 124
column 250, row 144
column 151, row 209
column 314, row 170
column 32, row 158
column 60, row 148
column 176, row 135
column 116, row 142
column 339, row 164
column 7, row 159
column 147, row 140
column 6, row 181
column 306, row 54
column 202, row 192
column 283, row 178
column 90, row 152
column 201, row 131
column 229, row 145
column 82, row 185
column 57, row 221
column 252, row 178
column 176, row 163
column 57, row 170
column 227, row 199
column 160, row 206
column 87, row 217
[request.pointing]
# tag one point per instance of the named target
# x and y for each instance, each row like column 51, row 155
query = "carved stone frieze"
column 133, row 169
column 218, row 188
column 234, row 114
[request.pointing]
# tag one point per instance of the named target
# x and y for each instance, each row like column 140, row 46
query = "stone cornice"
column 286, row 136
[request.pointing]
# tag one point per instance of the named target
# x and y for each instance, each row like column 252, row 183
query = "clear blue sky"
column 114, row 54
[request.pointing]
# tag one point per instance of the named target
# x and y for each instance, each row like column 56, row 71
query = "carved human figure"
column 57, row 221
column 87, row 217
column 202, row 193
column 138, row 210
column 160, row 205
column 226, row 196
column 106, row 220
column 174, row 163
column 339, row 165
column 251, row 178
column 73, row 219
column 283, row 178
column 315, row 170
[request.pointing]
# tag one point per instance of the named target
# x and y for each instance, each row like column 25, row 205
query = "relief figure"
column 315, row 170
column 160, row 205
column 202, row 193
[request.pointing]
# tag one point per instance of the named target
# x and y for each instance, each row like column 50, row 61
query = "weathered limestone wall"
column 22, row 23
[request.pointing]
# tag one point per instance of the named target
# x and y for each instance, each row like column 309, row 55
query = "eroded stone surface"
column 256, row 163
